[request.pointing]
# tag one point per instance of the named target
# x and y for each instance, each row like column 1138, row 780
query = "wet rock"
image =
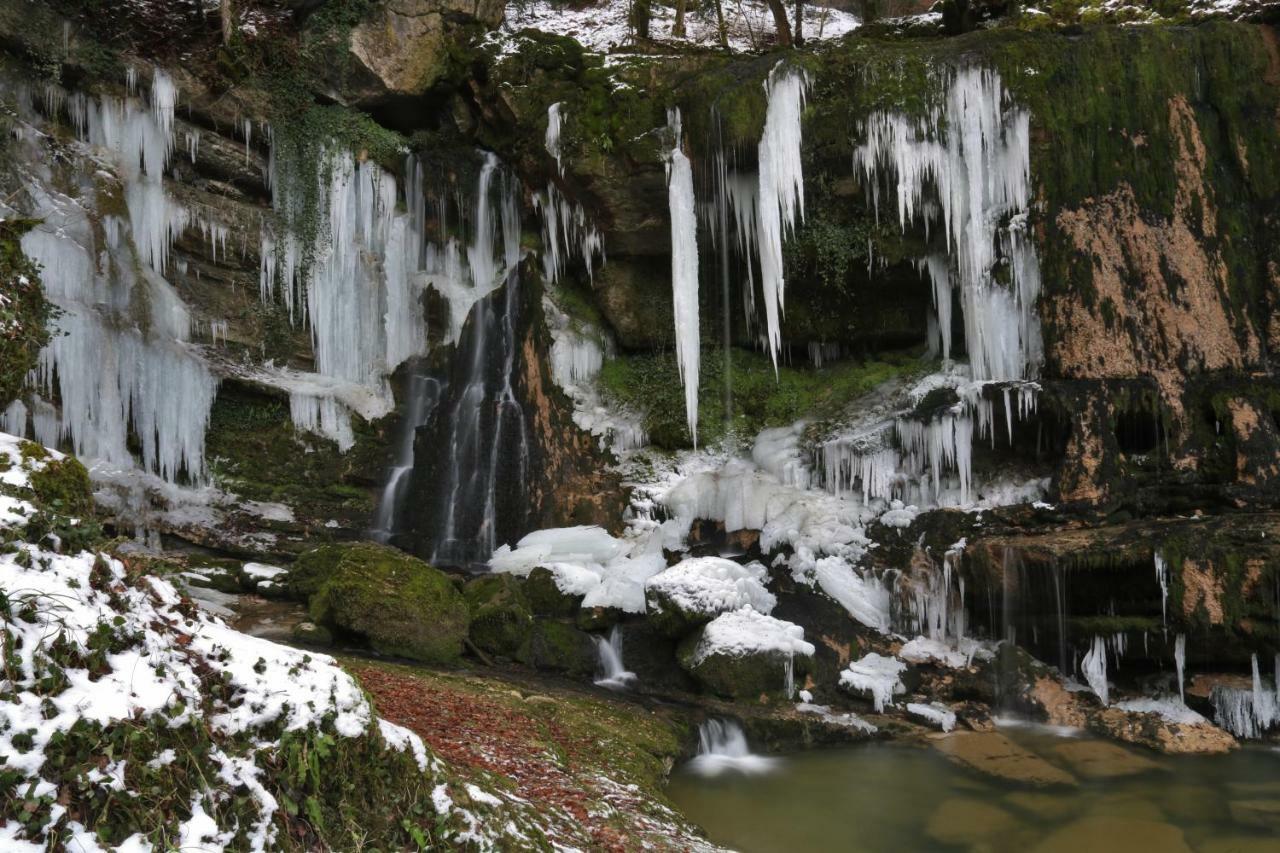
column 311, row 569
column 500, row 615
column 995, row 755
column 1097, row 759
column 401, row 605
column 1238, row 844
column 545, row 597
column 1043, row 806
column 1155, row 732
column 759, row 675
column 312, row 634
column 964, row 821
column 599, row 618
column 1114, row 835
column 1263, row 814
column 559, row 647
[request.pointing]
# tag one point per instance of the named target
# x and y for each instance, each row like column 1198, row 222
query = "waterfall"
column 482, row 435
column 684, row 270
column 781, row 196
column 423, row 396
column 613, row 674
column 722, row 748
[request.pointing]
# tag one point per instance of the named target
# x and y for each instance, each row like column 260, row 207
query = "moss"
column 755, row 676
column 650, row 384
column 559, row 647
column 401, row 605
column 312, row 569
column 63, row 485
column 545, row 597
column 24, row 312
column 500, row 614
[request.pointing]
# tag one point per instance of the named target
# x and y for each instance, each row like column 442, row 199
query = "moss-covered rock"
column 60, row 484
column 546, row 598
column 401, row 605
column 500, row 614
column 312, row 569
column 312, row 634
column 559, row 647
column 761, row 675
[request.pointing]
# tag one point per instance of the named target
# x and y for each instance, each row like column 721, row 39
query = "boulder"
column 995, row 755
column 559, row 647
column 500, row 615
column 1156, row 732
column 312, row 634
column 312, row 569
column 746, row 655
column 545, row 596
column 401, row 605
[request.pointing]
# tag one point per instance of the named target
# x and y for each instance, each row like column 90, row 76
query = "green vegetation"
column 401, row 605
column 500, row 615
column 650, row 385
column 24, row 312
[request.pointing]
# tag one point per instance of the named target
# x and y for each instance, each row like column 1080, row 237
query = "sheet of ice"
column 934, row 714
column 744, row 632
column 684, row 270
column 876, row 675
column 712, row 585
column 925, row 650
column 1170, row 708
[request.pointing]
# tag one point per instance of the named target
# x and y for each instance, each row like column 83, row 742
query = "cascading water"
column 423, row 396
column 613, row 674
column 722, row 748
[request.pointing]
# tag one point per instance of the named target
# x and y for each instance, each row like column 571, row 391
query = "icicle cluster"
column 112, row 374
column 684, row 270
column 567, row 233
column 1248, row 713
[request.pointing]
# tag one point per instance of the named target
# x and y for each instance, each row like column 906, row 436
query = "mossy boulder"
column 544, row 595
column 60, row 484
column 559, row 647
column 312, row 634
column 401, row 605
column 754, row 676
column 500, row 614
column 312, row 569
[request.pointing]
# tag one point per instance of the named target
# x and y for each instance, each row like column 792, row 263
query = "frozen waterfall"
column 684, row 270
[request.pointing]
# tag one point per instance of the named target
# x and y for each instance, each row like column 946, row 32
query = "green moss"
column 545, row 597
column 401, row 605
column 559, row 647
column 650, row 384
column 24, row 312
column 500, row 614
column 62, row 485
column 312, row 569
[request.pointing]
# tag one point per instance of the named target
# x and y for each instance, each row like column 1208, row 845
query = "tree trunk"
column 720, row 28
column 677, row 29
column 640, row 19
column 799, row 33
column 780, row 22
column 228, row 20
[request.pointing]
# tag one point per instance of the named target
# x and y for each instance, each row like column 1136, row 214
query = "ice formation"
column 684, row 270
column 743, row 632
column 878, row 676
column 780, row 202
column 934, row 714
column 1162, row 578
column 111, row 373
column 567, row 233
column 1094, row 668
column 1248, row 713
column 1180, row 662
column 555, row 115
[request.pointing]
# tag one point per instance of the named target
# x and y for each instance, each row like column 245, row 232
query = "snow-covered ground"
column 605, row 27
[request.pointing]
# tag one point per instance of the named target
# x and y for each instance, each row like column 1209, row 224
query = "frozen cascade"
column 684, row 270
column 555, row 115
column 780, row 202
column 1094, row 668
column 112, row 374
column 567, row 233
column 613, row 674
column 722, row 748
column 1162, row 578
column 973, row 154
column 1248, row 713
column 1180, row 663
column 423, row 397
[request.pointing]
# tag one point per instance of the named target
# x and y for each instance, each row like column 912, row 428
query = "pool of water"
column 904, row 797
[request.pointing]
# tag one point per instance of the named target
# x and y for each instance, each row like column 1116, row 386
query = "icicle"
column 554, row 117
column 1162, row 578
column 684, row 270
column 1094, row 668
column 781, row 194
column 1180, row 662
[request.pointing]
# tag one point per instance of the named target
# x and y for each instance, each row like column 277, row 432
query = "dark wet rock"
column 500, row 614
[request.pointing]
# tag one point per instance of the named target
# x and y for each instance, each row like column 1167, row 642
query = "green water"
column 910, row 797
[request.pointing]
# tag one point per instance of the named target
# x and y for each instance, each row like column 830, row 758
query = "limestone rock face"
column 402, row 47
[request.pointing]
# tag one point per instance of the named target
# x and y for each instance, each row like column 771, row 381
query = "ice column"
column 684, row 270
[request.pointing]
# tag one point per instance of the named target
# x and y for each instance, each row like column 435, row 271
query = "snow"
column 605, row 28
column 262, row 571
column 1170, row 708
column 925, row 650
column 876, row 675
column 781, row 196
column 711, row 585
column 744, row 632
column 935, row 714
column 845, row 719
column 684, row 270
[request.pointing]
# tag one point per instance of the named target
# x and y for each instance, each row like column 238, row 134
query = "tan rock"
column 1262, row 814
column 1098, row 759
column 1240, row 844
column 995, row 755
column 1155, row 732
column 1050, row 807
column 1100, row 834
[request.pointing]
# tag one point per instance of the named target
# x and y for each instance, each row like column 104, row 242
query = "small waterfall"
column 613, row 674
column 485, row 437
column 722, row 748
column 423, row 397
